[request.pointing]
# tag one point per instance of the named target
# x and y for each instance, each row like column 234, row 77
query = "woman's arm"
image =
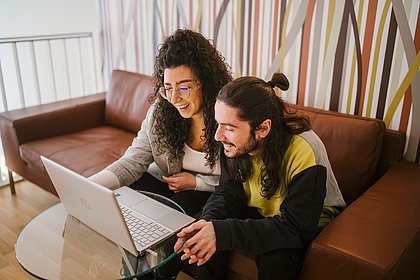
column 137, row 158
column 184, row 181
column 206, row 183
column 106, row 178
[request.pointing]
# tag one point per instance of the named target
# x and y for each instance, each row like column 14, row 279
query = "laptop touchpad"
column 151, row 209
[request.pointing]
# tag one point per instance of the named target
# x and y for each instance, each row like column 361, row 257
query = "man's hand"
column 200, row 244
column 181, row 181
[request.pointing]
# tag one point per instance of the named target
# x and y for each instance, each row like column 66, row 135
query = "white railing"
column 36, row 70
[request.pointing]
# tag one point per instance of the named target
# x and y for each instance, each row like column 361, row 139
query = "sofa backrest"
column 354, row 146
column 127, row 99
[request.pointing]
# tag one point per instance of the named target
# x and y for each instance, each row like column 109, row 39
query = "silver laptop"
column 132, row 220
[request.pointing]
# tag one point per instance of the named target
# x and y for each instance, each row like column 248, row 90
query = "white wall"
column 63, row 68
column 45, row 17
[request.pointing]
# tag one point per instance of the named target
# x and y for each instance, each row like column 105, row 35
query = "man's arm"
column 229, row 199
column 294, row 228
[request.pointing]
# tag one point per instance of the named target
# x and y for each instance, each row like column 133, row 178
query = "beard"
column 250, row 146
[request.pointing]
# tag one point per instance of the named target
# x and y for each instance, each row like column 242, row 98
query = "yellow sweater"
column 298, row 157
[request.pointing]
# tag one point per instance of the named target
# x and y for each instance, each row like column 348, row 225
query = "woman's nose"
column 174, row 97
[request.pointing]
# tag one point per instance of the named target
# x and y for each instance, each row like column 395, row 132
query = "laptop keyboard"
column 143, row 231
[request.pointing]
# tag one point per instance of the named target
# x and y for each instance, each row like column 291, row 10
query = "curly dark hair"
column 256, row 101
column 188, row 48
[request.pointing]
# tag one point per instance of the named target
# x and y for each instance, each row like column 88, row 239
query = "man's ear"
column 263, row 129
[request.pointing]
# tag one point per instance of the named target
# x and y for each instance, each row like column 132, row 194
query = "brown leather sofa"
column 84, row 134
column 376, row 237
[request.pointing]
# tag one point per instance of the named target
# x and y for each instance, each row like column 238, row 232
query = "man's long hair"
column 191, row 49
column 256, row 101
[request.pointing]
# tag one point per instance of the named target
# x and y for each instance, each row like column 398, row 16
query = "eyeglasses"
column 182, row 91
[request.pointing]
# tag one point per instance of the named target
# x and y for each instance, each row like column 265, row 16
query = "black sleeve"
column 294, row 228
column 229, row 199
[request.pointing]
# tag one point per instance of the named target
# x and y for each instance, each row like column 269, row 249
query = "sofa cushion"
column 85, row 152
column 127, row 99
column 353, row 145
column 377, row 237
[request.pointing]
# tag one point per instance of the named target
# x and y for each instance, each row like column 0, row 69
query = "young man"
column 276, row 189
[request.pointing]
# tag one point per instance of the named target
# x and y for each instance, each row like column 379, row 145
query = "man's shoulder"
column 302, row 143
column 301, row 150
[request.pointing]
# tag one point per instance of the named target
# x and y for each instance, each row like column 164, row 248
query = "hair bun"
column 279, row 80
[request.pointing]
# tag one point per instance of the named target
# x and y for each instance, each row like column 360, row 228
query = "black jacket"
column 294, row 228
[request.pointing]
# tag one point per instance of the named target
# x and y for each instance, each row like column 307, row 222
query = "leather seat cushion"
column 85, row 152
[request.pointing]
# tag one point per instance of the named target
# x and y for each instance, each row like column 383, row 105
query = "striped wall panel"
column 358, row 57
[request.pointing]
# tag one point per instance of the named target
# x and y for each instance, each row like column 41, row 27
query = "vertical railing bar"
column 3, row 90
column 67, row 66
column 2, row 182
column 35, row 73
column 94, row 63
column 18, row 75
column 53, row 70
column 3, row 96
column 81, row 67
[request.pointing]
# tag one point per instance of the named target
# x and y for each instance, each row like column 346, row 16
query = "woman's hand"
column 181, row 181
column 200, row 244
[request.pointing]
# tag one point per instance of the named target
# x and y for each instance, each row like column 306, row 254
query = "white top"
column 195, row 161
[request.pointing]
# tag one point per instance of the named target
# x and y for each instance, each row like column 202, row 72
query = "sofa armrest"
column 392, row 151
column 377, row 236
column 53, row 119
column 48, row 120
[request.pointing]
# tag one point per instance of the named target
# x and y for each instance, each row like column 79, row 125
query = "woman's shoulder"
column 150, row 113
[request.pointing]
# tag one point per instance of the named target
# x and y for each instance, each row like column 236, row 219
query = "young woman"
column 174, row 153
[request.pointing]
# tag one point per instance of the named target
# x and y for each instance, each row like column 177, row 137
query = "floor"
column 15, row 212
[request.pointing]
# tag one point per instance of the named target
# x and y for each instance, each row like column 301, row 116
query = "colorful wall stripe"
column 359, row 57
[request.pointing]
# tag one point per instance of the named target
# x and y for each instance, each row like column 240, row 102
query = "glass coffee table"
column 54, row 245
